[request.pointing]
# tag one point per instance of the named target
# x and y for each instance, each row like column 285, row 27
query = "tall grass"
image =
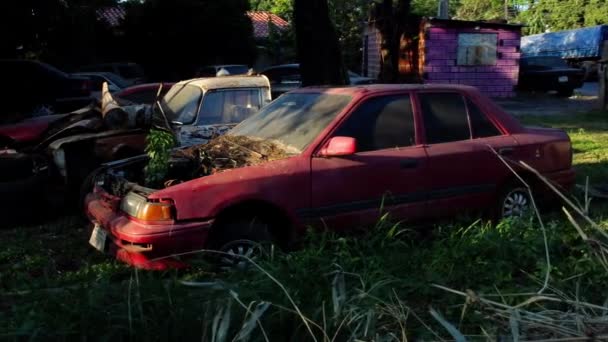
column 372, row 287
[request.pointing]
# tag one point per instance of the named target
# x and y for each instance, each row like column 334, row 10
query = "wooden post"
column 603, row 78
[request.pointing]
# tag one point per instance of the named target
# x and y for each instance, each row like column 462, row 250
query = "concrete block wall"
column 441, row 51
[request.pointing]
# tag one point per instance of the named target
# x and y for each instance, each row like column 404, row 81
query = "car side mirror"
column 339, row 146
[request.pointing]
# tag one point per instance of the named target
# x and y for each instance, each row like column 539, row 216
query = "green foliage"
column 158, row 148
column 174, row 37
column 480, row 10
column 556, row 15
column 282, row 8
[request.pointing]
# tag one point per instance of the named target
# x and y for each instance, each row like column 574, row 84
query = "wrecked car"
column 330, row 157
column 67, row 150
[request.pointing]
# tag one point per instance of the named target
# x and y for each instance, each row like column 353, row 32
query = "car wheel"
column 239, row 242
column 565, row 92
column 515, row 202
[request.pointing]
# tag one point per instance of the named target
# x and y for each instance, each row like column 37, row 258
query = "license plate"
column 98, row 238
column 563, row 79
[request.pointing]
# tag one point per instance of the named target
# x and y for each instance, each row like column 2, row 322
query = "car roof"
column 95, row 73
column 207, row 83
column 377, row 88
column 283, row 66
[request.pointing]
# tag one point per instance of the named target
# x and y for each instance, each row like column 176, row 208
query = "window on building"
column 477, row 48
column 381, row 122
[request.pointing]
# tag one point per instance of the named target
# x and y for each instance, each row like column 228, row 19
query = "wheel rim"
column 516, row 204
column 236, row 255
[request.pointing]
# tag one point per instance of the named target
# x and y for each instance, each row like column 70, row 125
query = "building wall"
column 441, row 53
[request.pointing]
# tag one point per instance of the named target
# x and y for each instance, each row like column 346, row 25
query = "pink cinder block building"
column 482, row 54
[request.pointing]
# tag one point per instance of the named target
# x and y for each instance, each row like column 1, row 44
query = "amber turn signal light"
column 156, row 211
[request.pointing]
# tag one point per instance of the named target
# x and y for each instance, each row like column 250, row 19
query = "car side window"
column 381, row 122
column 229, row 106
column 481, row 126
column 445, row 117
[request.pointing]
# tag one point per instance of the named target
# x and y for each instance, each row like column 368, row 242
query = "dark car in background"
column 546, row 73
column 133, row 73
column 143, row 93
column 34, row 88
column 115, row 82
column 286, row 77
column 212, row 70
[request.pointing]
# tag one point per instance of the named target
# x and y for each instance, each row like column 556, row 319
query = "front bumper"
column 140, row 244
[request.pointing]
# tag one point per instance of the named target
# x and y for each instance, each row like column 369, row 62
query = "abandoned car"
column 330, row 155
column 65, row 149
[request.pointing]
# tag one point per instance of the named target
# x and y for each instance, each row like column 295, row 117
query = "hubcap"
column 516, row 204
column 238, row 254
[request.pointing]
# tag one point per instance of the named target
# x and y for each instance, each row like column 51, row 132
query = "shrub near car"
column 330, row 155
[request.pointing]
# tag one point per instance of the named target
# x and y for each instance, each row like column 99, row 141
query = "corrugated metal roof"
column 111, row 15
column 261, row 21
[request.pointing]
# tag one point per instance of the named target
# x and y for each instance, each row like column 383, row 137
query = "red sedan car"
column 418, row 151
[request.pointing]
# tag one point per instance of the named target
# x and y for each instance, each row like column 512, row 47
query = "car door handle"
column 505, row 151
column 408, row 163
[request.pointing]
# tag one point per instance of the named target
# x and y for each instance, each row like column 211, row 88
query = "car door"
column 386, row 173
column 459, row 139
column 219, row 112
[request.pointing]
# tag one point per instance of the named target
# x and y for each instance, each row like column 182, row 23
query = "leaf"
column 250, row 324
column 457, row 335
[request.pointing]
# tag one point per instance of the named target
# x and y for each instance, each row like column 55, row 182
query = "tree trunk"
column 317, row 45
column 395, row 25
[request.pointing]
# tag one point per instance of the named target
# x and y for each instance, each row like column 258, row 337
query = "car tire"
column 565, row 92
column 239, row 240
column 514, row 201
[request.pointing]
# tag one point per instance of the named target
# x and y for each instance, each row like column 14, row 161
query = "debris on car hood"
column 230, row 152
column 220, row 154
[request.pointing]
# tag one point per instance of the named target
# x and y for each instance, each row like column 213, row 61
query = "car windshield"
column 554, row 62
column 237, row 69
column 294, row 119
column 181, row 103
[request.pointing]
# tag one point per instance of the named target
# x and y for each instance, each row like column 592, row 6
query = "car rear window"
column 481, row 126
column 381, row 122
column 229, row 106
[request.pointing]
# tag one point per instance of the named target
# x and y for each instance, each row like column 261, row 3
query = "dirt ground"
column 583, row 101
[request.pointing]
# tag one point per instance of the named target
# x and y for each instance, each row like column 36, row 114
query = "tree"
column 317, row 44
column 556, row 15
column 63, row 32
column 282, row 8
column 396, row 25
column 481, row 10
column 171, row 38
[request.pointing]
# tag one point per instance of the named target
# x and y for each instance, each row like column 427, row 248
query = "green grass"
column 372, row 287
column 589, row 134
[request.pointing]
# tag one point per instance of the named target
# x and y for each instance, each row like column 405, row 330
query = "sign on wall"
column 477, row 48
